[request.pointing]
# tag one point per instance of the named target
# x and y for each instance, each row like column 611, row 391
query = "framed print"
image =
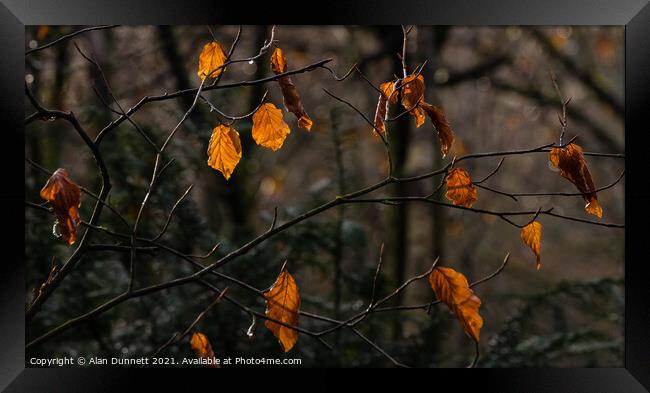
column 437, row 185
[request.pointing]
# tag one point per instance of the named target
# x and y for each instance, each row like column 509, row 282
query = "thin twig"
column 494, row 171
column 377, row 131
column 121, row 111
column 562, row 193
column 105, row 189
column 192, row 91
column 232, row 119
column 68, row 36
column 378, row 348
column 374, row 280
column 175, row 338
column 171, row 213
column 340, row 78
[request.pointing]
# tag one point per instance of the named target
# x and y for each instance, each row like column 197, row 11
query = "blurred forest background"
column 494, row 85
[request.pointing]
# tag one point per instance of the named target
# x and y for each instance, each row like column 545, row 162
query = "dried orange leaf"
column 451, row 288
column 531, row 234
column 439, row 120
column 389, row 91
column 380, row 114
column 201, row 346
column 224, row 150
column 460, row 189
column 412, row 96
column 211, row 58
column 388, row 95
column 269, row 129
column 289, row 92
column 305, row 122
column 573, row 167
column 412, row 90
column 418, row 114
column 593, row 207
column 278, row 62
column 65, row 197
column 282, row 304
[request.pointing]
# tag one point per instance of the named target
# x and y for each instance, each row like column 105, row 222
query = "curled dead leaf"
column 439, row 120
column 452, row 288
column 289, row 92
column 412, row 95
column 305, row 122
column 201, row 346
column 418, row 114
column 573, row 167
column 388, row 95
column 224, row 150
column 293, row 104
column 389, row 91
column 278, row 61
column 211, row 58
column 380, row 114
column 282, row 304
column 531, row 235
column 412, row 90
column 65, row 198
column 460, row 189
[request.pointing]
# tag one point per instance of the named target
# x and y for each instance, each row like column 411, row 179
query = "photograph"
column 324, row 196
column 453, row 186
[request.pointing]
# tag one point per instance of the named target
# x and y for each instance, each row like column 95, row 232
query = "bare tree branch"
column 67, row 37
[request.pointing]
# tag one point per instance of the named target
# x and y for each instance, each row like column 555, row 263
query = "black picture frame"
column 633, row 14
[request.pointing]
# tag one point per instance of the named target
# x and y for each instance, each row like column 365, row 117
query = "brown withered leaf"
column 439, row 120
column 388, row 95
column 224, row 150
column 573, row 167
column 418, row 114
column 412, row 90
column 293, row 104
column 201, row 346
column 282, row 304
column 452, row 288
column 460, row 189
column 531, row 235
column 412, row 95
column 65, row 197
column 212, row 57
column 269, row 128
column 380, row 114
column 389, row 91
column 289, row 92
column 278, row 61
